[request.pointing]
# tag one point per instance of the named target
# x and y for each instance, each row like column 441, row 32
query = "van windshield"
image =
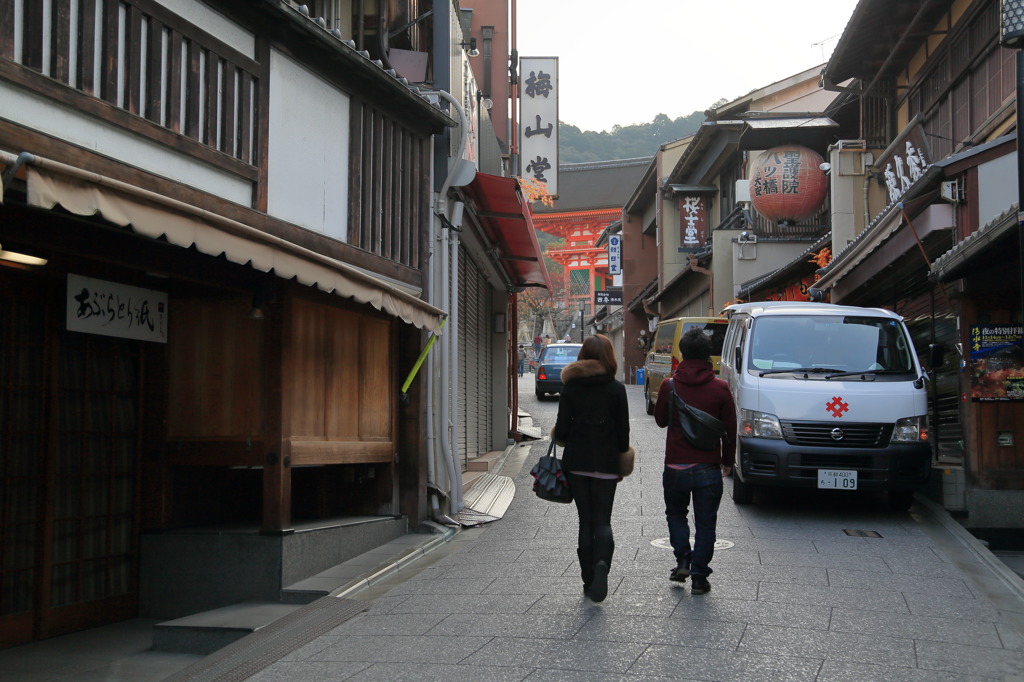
column 830, row 343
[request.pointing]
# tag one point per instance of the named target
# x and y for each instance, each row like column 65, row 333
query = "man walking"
column 690, row 472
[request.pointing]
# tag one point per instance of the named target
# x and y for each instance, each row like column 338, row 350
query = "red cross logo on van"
column 837, row 406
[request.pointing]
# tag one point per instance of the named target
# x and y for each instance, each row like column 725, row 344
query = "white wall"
column 307, row 149
column 68, row 124
column 214, row 23
column 997, row 187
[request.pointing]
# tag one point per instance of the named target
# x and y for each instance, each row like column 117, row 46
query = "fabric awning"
column 51, row 183
column 506, row 217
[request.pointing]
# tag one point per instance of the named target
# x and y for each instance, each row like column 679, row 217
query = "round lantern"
column 787, row 183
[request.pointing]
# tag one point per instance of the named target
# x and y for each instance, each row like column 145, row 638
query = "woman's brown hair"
column 598, row 347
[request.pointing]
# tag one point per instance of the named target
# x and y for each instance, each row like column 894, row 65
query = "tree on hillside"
column 624, row 142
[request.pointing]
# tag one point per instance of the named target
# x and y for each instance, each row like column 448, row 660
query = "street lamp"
column 583, row 308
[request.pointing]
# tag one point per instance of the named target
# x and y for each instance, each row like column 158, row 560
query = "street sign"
column 608, row 297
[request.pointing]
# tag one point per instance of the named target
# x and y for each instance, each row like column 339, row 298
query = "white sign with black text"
column 96, row 306
column 538, row 108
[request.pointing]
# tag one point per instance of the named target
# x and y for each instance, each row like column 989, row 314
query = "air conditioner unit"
column 743, row 191
column 852, row 145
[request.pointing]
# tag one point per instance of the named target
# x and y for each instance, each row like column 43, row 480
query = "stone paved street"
column 793, row 597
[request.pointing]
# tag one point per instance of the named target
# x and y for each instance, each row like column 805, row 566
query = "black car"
column 553, row 359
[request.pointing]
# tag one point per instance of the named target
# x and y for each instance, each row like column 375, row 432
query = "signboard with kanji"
column 538, row 107
column 615, row 255
column 608, row 297
column 693, row 223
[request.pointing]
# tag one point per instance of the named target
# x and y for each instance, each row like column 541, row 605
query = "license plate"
column 837, row 479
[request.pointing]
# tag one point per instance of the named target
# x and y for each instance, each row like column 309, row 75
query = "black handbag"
column 549, row 480
column 701, row 430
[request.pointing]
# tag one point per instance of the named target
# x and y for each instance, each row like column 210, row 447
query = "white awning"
column 51, row 183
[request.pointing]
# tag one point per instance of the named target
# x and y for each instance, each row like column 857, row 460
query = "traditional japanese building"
column 591, row 198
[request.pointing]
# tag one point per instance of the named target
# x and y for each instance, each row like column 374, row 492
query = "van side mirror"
column 936, row 355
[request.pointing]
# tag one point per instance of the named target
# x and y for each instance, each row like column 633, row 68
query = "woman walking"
column 593, row 427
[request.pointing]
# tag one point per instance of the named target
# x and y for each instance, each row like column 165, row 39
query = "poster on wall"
column 96, row 306
column 997, row 363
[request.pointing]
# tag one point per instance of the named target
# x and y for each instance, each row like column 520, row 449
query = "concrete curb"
column 411, row 557
column 1010, row 580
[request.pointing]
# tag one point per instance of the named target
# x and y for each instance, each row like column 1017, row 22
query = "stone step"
column 206, row 632
column 484, row 462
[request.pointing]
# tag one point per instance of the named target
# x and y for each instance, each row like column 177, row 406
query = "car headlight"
column 759, row 425
column 911, row 430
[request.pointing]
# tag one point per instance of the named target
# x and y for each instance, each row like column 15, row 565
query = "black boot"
column 586, row 568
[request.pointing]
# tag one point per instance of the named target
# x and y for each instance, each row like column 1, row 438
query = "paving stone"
column 399, row 649
column 971, row 660
column 841, row 646
column 579, row 655
column 411, row 672
column 916, row 627
column 714, row 664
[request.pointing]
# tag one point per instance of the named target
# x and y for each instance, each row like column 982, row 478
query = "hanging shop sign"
column 997, row 363
column 615, row 255
column 96, row 306
column 904, row 161
column 693, row 223
column 608, row 297
column 787, row 184
column 538, row 108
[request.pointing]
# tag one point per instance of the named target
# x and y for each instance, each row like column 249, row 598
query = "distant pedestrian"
column 593, row 426
column 522, row 359
column 537, row 343
column 568, row 337
column 691, row 472
column 547, row 339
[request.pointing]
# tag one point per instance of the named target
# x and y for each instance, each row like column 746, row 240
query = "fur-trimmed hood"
column 583, row 369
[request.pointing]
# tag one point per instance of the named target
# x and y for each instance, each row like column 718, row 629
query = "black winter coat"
column 593, row 418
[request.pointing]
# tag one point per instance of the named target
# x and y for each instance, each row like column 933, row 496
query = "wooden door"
column 69, row 438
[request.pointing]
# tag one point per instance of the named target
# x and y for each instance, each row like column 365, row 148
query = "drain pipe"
column 448, row 360
column 11, row 164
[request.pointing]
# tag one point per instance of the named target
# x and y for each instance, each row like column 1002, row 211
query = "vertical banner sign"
column 538, row 115
column 615, row 255
column 96, row 306
column 997, row 363
column 693, row 223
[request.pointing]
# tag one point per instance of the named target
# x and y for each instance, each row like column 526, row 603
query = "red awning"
column 506, row 218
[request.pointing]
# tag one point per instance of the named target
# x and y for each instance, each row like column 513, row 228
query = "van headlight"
column 759, row 425
column 911, row 430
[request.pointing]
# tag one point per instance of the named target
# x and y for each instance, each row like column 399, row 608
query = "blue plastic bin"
column 640, row 376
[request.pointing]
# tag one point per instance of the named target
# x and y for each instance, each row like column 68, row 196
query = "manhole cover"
column 663, row 543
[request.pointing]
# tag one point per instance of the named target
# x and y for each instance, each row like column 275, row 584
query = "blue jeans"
column 703, row 483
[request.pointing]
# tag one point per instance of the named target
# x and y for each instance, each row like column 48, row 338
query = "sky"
column 622, row 64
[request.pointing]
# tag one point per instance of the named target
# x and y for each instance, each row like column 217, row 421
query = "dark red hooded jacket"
column 696, row 384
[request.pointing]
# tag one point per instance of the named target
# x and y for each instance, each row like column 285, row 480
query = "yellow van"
column 663, row 357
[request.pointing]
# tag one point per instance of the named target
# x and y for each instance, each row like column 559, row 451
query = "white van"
column 827, row 396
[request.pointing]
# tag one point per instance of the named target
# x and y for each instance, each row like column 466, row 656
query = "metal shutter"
column 475, row 360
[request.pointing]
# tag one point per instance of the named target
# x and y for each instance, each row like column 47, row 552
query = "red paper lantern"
column 787, row 183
